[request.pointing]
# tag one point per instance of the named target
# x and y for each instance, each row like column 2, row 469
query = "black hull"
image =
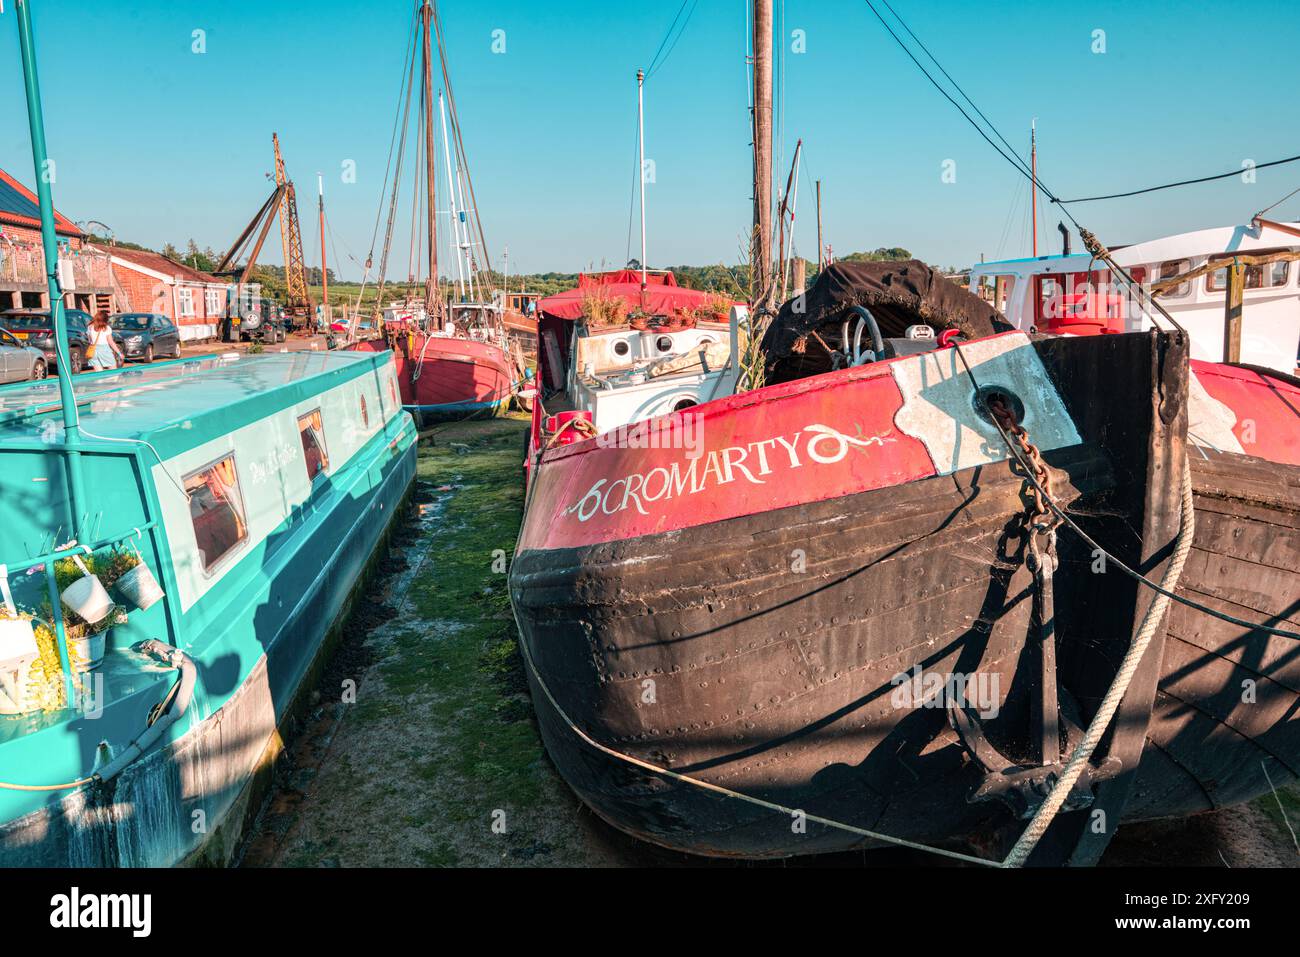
column 779, row 684
column 1226, row 723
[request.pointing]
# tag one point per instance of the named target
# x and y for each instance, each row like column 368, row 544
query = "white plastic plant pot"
column 139, row 587
column 18, row 650
column 86, row 654
column 87, row 596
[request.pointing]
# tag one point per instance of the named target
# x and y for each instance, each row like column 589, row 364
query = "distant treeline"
column 721, row 278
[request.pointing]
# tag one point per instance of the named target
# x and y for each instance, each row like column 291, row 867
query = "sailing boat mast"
column 640, row 142
column 760, row 259
column 1033, row 179
column 432, row 298
column 324, row 272
column 451, row 200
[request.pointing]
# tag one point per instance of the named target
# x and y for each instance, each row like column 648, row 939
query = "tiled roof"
column 19, row 207
column 158, row 263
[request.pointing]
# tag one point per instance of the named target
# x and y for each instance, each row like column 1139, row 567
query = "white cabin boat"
column 1075, row 293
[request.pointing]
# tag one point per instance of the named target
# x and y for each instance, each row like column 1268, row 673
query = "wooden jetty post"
column 1232, row 311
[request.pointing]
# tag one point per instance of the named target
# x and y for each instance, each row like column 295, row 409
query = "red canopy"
column 662, row 294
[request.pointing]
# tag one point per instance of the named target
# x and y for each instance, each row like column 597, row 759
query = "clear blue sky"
column 164, row 144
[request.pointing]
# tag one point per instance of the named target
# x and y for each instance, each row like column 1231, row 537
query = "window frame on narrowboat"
column 321, row 444
column 216, row 568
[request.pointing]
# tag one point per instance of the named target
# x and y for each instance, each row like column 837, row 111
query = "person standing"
column 104, row 352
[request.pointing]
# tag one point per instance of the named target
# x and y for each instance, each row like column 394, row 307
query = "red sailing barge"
column 827, row 595
column 453, row 358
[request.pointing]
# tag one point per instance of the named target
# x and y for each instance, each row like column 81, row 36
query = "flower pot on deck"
column 87, row 653
column 18, row 649
column 139, row 587
column 87, row 596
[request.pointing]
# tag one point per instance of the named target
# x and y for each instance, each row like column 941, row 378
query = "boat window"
column 664, row 343
column 313, row 444
column 365, row 414
column 1257, row 277
column 216, row 510
column 1170, row 269
column 1217, row 281
column 621, row 348
column 681, row 404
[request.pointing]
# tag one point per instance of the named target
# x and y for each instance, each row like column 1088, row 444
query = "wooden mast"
column 760, row 260
column 1033, row 180
column 432, row 298
column 324, row 266
column 821, row 255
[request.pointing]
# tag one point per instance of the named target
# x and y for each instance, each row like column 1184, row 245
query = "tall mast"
column 1033, row 178
column 432, row 299
column 640, row 143
column 451, row 196
column 50, row 249
column 324, row 272
column 761, row 244
column 821, row 255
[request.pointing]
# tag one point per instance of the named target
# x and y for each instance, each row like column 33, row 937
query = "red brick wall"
column 146, row 293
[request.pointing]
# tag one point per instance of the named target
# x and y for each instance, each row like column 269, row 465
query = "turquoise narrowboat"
column 255, row 489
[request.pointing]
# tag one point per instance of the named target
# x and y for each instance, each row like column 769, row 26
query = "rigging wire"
column 1036, row 182
column 651, row 72
column 955, row 84
column 655, row 62
column 636, row 172
column 1278, row 203
column 1185, row 182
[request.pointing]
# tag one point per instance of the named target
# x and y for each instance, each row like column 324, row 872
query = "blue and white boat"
column 256, row 489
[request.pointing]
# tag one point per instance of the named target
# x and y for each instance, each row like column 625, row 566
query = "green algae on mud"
column 438, row 762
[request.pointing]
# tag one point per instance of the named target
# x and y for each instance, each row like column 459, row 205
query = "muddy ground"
column 422, row 751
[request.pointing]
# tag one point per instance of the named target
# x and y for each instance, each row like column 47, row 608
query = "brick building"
column 150, row 282
column 84, row 271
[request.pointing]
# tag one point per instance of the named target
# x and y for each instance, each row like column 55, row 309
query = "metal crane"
column 282, row 201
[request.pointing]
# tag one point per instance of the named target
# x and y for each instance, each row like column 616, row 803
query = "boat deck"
column 135, row 401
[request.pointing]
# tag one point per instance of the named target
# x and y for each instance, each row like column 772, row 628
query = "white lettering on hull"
column 821, row 445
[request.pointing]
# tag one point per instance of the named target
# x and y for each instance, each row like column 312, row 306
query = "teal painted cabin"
column 257, row 489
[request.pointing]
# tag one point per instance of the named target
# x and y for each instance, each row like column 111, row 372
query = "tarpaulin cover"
column 626, row 275
column 898, row 294
column 662, row 294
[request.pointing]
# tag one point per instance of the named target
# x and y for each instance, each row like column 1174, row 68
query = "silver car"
column 19, row 362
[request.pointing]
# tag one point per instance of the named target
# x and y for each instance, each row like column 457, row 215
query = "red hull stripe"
column 452, row 371
column 815, row 439
column 1239, row 410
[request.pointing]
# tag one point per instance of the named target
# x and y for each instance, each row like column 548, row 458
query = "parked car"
column 146, row 336
column 35, row 328
column 19, row 362
column 261, row 319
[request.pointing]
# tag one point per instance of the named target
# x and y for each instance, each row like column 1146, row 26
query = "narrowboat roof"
column 192, row 396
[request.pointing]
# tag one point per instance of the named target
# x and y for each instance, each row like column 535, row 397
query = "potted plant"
column 717, row 308
column 125, row 570
column 601, row 310
column 80, row 589
column 639, row 321
column 18, row 650
column 88, row 642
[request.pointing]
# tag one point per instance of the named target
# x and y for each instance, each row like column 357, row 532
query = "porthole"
column 685, row 403
column 664, row 343
column 621, row 348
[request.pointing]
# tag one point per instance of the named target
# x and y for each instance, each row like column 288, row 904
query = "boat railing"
column 47, row 560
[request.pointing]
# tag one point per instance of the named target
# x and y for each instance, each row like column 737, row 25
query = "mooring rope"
column 789, row 812
column 1153, row 620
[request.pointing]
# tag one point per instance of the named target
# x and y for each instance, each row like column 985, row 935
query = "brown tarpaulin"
column 898, row 294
